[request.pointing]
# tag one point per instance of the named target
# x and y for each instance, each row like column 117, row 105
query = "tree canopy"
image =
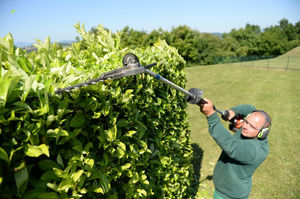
column 208, row 48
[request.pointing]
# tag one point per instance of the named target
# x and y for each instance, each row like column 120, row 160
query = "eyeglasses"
column 247, row 123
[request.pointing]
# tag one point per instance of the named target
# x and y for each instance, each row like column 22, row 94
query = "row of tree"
column 206, row 48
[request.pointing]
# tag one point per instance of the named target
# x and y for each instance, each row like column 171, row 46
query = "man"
column 241, row 153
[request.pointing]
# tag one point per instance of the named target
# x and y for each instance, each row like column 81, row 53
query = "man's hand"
column 228, row 115
column 207, row 108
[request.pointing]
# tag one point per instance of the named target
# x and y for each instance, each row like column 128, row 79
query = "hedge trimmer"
column 131, row 66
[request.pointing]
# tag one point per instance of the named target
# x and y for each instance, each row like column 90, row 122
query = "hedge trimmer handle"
column 236, row 123
column 225, row 115
column 150, row 65
column 195, row 97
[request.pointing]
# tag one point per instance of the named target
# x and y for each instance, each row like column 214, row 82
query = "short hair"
column 268, row 120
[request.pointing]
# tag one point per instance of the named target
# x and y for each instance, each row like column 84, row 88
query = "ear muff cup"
column 263, row 133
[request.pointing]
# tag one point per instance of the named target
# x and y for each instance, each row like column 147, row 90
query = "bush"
column 127, row 138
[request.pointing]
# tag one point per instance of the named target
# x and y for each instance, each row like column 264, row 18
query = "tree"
column 248, row 38
column 132, row 38
column 297, row 26
column 196, row 47
column 288, row 29
column 187, row 41
column 273, row 42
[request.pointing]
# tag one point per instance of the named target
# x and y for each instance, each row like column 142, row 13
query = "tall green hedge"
column 126, row 138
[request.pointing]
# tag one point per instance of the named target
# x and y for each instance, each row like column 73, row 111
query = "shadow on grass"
column 197, row 161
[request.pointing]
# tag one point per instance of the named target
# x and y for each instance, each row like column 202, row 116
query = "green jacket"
column 240, row 157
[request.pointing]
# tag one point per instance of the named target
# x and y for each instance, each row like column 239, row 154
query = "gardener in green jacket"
column 241, row 153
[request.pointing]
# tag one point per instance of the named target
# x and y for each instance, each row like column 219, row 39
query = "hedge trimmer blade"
column 131, row 66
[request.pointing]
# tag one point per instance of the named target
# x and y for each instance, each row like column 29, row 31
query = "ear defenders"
column 263, row 133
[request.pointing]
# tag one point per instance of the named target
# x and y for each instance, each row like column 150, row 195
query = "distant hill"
column 218, row 34
column 21, row 44
column 30, row 47
column 66, row 41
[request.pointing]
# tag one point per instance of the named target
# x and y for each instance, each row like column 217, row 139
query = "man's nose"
column 245, row 126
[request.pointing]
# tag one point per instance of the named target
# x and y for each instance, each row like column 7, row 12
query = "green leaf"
column 57, row 132
column 52, row 186
column 125, row 166
column 14, row 150
column 21, row 177
column 49, row 176
column 12, row 11
column 143, row 179
column 23, row 62
column 96, row 115
column 143, row 147
column 50, row 119
column 128, row 92
column 89, row 162
column 121, row 149
column 83, row 191
column 78, row 120
column 22, row 106
column 65, row 185
column 27, row 87
column 77, row 145
column 60, row 161
column 33, row 194
column 104, row 182
column 3, row 155
column 122, row 123
column 4, row 43
column 48, row 165
column 130, row 133
column 63, row 105
column 111, row 134
column 75, row 176
column 87, row 147
column 142, row 192
column 106, row 108
column 60, row 173
column 36, row 151
column 5, row 82
column 49, row 195
column 99, row 190
column 127, row 95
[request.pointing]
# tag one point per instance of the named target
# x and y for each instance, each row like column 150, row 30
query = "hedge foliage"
column 127, row 138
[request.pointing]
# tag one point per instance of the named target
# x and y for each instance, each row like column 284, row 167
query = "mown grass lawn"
column 275, row 91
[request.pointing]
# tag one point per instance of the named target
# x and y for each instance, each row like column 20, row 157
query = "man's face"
column 252, row 125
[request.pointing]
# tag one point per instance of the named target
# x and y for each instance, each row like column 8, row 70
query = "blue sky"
column 37, row 19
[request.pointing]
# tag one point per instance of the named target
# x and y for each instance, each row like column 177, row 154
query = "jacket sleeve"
column 243, row 110
column 241, row 150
